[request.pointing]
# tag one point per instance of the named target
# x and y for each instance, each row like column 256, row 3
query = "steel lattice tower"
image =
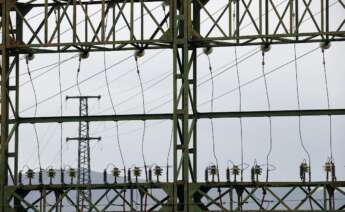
column 84, row 167
column 72, row 27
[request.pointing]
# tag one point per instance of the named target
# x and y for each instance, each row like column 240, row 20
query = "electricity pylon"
column 84, row 167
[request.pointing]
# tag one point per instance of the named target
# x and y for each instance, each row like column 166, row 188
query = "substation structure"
column 184, row 35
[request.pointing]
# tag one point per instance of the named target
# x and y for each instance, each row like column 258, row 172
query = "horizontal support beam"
column 167, row 116
column 134, row 185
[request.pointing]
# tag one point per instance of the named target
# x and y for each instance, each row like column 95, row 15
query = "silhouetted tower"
column 84, row 169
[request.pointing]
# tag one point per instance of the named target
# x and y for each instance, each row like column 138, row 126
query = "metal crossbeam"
column 169, row 116
column 247, row 196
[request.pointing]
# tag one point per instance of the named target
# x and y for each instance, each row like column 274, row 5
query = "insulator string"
column 299, row 108
column 35, row 113
column 328, row 103
column 77, row 78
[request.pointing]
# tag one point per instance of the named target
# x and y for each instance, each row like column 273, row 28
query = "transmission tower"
column 84, row 158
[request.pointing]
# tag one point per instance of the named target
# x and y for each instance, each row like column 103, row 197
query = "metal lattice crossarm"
column 78, row 29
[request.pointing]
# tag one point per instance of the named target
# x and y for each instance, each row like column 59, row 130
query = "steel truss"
column 232, row 196
column 59, row 30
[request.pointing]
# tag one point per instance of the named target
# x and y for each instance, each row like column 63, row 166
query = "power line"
column 28, row 57
column 299, row 107
column 328, row 103
column 144, row 112
column 114, row 110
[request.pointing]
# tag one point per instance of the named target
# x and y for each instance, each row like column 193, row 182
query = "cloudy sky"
column 156, row 72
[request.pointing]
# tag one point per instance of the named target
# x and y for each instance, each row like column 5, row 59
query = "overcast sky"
column 156, row 71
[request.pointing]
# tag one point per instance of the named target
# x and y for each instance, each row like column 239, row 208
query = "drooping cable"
column 240, row 109
column 61, row 113
column 328, row 103
column 299, row 108
column 35, row 112
column 114, row 111
column 239, row 97
column 212, row 108
column 144, row 112
column 263, row 65
column 61, row 100
column 212, row 126
column 269, row 118
column 300, row 121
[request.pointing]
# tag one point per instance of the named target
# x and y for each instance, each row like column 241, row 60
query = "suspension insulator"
column 139, row 53
column 20, row 178
column 265, row 47
column 105, row 180
column 325, row 45
column 30, row 174
column 158, row 171
column 228, row 174
column 206, row 175
column 30, row 57
column 256, row 171
column 116, row 173
column 84, row 55
column 303, row 170
column 51, row 175
column 235, row 170
column 208, row 50
column 150, row 175
column 129, row 176
column 72, row 173
column 330, row 170
column 137, row 172
column 40, row 177
column 62, row 176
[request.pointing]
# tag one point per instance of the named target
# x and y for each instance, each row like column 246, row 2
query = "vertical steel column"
column 184, row 129
column 4, row 104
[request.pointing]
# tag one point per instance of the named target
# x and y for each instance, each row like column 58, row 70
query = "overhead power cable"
column 144, row 112
column 328, row 103
column 269, row 118
column 35, row 111
column 299, row 108
column 211, row 120
column 239, row 94
column 114, row 111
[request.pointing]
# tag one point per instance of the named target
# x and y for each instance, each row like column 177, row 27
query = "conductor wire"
column 114, row 110
column 61, row 107
column 328, row 103
column 212, row 108
column 269, row 118
column 299, row 108
column 144, row 112
column 35, row 113
column 212, row 126
column 239, row 97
